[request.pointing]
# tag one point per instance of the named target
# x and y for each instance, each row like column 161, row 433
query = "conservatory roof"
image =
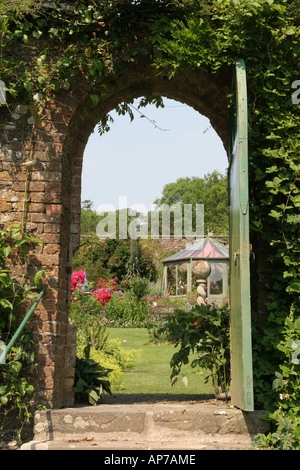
column 206, row 248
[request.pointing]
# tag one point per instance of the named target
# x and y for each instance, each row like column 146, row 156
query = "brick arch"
column 206, row 95
column 54, row 190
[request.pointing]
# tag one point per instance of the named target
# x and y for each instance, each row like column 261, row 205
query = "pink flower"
column 75, row 278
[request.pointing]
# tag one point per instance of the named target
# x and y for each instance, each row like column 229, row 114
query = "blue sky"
column 134, row 161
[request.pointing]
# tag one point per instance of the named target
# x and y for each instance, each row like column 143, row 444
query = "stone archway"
column 53, row 184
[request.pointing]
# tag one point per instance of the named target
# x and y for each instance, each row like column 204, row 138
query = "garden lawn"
column 151, row 371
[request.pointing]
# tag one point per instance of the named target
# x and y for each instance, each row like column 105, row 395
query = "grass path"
column 151, row 371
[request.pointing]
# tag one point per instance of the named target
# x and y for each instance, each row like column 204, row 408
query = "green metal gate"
column 240, row 322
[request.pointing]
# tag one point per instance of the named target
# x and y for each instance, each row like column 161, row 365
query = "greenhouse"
column 206, row 260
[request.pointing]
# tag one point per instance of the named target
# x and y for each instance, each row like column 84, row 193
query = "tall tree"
column 211, row 191
column 89, row 218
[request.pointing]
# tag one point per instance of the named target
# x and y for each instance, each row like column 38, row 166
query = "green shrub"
column 160, row 307
column 15, row 389
column 285, row 418
column 285, row 434
column 91, row 381
column 93, row 343
column 139, row 287
column 203, row 331
column 126, row 310
column 124, row 358
column 112, row 357
column 110, row 258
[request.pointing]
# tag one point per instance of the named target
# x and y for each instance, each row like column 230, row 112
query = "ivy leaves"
column 15, row 389
column 266, row 34
column 103, row 40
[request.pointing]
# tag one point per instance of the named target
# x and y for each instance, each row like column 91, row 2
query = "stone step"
column 145, row 426
column 137, row 445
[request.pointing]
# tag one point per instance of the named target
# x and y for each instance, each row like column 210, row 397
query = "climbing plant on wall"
column 101, row 40
column 266, row 35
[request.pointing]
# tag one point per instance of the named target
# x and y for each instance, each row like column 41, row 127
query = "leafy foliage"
column 91, row 381
column 91, row 378
column 211, row 191
column 266, row 35
column 127, row 311
column 15, row 388
column 99, row 361
column 102, row 40
column 113, row 258
column 204, row 331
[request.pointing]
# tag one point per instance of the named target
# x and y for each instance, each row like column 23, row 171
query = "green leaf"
column 34, row 240
column 31, row 296
column 4, row 400
column 41, row 59
column 276, row 182
column 28, row 86
column 38, row 276
column 15, row 367
column 37, row 34
column 95, row 100
column 6, row 303
column 6, row 251
column 42, row 79
column 289, row 31
column 275, row 214
column 93, row 397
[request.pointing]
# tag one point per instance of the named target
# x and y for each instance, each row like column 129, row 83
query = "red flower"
column 75, row 278
column 195, row 324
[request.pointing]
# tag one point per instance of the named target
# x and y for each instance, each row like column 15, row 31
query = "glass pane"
column 216, row 279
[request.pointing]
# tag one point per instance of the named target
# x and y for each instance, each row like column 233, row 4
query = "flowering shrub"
column 105, row 287
column 109, row 284
column 126, row 303
column 102, row 296
column 204, row 331
column 108, row 258
column 75, row 278
column 89, row 311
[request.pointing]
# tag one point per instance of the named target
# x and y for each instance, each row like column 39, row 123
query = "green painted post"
column 240, row 308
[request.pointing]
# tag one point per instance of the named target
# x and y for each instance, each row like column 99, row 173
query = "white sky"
column 134, row 161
